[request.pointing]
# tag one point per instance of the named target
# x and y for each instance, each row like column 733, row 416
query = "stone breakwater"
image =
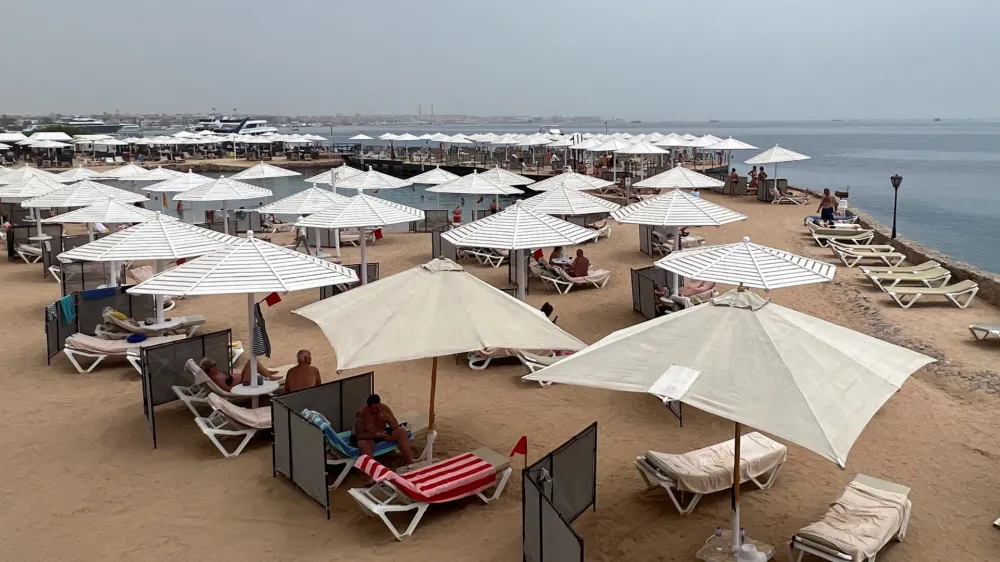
column 989, row 282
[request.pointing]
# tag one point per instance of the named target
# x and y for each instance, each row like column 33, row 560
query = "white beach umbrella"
column 434, row 176
column 688, row 137
column 776, row 156
column 680, row 177
column 333, row 176
column 33, row 186
column 425, row 136
column 128, row 172
column 108, row 211
column 407, row 137
column 435, row 309
column 12, row 137
column 78, row 173
column 612, row 145
column 82, row 194
column 248, row 266
column 748, row 264
column 306, row 202
column 499, row 175
column 518, row 228
column 439, row 137
column 570, row 180
column 362, row 212
column 475, row 183
column 182, row 182
column 223, row 189
column 50, row 144
column 361, row 137
column 51, row 135
column 263, row 171
column 642, row 147
column 23, row 173
column 387, row 136
column 673, row 140
column 4, row 147
column 756, row 363
column 372, row 180
column 159, row 174
column 586, row 144
column 731, row 144
column 568, row 201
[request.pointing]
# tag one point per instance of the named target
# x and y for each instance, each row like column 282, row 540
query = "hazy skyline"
column 729, row 60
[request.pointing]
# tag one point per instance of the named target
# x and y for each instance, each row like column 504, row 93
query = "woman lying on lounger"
column 226, row 381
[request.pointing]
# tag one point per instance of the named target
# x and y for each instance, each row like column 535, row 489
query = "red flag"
column 272, row 299
column 521, row 448
column 538, row 254
column 378, row 233
column 181, row 260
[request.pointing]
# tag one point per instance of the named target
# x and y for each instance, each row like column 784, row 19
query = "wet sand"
column 79, row 479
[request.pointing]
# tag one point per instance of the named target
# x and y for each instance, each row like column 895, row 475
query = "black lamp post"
column 896, row 180
column 605, row 127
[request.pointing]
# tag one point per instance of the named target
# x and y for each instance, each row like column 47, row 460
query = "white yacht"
column 240, row 125
column 88, row 125
column 130, row 128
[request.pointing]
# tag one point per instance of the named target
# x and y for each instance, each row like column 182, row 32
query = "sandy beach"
column 80, row 481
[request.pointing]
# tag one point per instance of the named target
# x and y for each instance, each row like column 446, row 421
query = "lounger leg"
column 383, row 512
column 247, row 434
column 345, row 469
column 695, row 498
column 71, row 355
column 770, row 478
column 968, row 301
column 499, row 487
column 135, row 361
column 901, row 300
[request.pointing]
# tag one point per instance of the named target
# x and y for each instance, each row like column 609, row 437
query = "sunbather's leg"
column 402, row 443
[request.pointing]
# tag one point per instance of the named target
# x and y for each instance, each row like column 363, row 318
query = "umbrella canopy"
column 107, row 211
column 4, row 147
column 732, row 144
column 128, row 172
column 439, row 137
column 372, row 180
column 611, row 145
column 499, row 175
column 162, row 238
column 305, row 202
column 475, row 183
column 263, row 171
column 749, row 264
column 387, row 136
column 82, row 194
column 567, row 201
column 642, row 147
column 777, row 155
column 161, row 174
column 570, row 180
column 753, row 362
column 29, row 188
column 587, row 144
column 51, row 135
column 673, row 140
column 77, row 174
column 339, row 174
column 434, row 176
column 12, row 137
column 27, row 172
column 50, row 144
column 223, row 189
column 407, row 137
column 680, row 177
column 361, row 136
column 182, row 182
column 518, row 228
column 428, row 311
column 676, row 208
column 361, row 211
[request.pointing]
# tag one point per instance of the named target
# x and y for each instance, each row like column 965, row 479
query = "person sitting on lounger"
column 376, row 423
column 226, row 381
column 557, row 256
column 303, row 374
column 581, row 265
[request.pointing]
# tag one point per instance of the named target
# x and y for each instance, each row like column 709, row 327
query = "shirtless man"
column 303, row 374
column 827, row 207
column 581, row 265
column 376, row 423
column 734, row 180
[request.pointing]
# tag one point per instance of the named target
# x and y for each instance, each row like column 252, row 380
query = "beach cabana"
column 223, row 189
column 756, row 363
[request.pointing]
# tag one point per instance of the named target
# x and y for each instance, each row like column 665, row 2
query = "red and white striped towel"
column 441, row 482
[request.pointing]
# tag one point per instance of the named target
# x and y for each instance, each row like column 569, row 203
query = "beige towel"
column 710, row 469
column 861, row 521
column 91, row 344
column 259, row 418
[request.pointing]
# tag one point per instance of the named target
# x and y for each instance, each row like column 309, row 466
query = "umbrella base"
column 720, row 549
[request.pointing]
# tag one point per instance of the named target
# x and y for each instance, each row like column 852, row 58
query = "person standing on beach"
column 456, row 215
column 753, row 178
column 734, row 181
column 827, row 207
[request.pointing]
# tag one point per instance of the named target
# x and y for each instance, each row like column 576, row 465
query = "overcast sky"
column 652, row 60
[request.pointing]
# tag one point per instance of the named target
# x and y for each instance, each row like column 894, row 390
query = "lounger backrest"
column 141, row 274
column 341, row 441
column 443, row 481
column 201, row 377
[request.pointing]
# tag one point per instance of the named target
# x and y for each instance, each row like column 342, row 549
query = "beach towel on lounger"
column 861, row 521
column 448, row 480
column 258, row 418
column 341, row 441
column 710, row 469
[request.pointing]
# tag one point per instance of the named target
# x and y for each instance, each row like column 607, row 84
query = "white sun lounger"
column 199, row 391
column 118, row 329
column 906, row 296
column 601, row 230
column 900, row 269
column 927, row 278
column 354, row 238
column 480, row 360
column 562, row 282
column 229, row 420
column 787, row 197
column 710, row 469
column 535, row 362
column 851, row 256
column 867, row 515
column 824, row 237
column 98, row 349
column 30, row 254
column 983, row 331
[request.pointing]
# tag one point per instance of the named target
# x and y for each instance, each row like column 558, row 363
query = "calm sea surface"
column 949, row 198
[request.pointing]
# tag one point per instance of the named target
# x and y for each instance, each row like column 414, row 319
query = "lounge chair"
column 840, row 220
column 115, row 328
column 787, row 197
column 867, row 515
column 442, row 482
column 485, row 256
column 143, row 273
column 601, row 230
column 562, row 282
column 851, row 256
column 535, row 362
column 710, row 470
column 229, row 420
column 937, row 275
column 98, row 349
column 824, row 237
column 983, row 331
column 354, row 238
column 119, row 160
column 906, row 296
column 663, row 244
column 480, row 360
column 900, row 269
column 690, row 301
column 835, row 227
column 203, row 386
column 29, row 253
column 342, row 455
column 109, row 161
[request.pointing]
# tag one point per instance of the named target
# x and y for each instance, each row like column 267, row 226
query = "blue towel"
column 95, row 294
column 341, row 441
column 67, row 305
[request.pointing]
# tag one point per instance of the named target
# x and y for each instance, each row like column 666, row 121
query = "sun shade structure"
column 518, row 228
column 163, row 238
column 107, row 211
column 434, row 176
column 82, row 194
column 223, row 189
column 28, row 188
column 432, row 310
column 249, row 266
column 161, row 174
column 128, row 172
column 755, row 363
column 334, row 176
column 748, row 264
column 305, row 202
column 23, row 173
column 731, row 144
column 642, row 147
column 776, row 156
column 182, row 182
column 501, row 176
column 77, row 174
column 571, row 180
column 680, row 177
column 264, row 171
column 371, row 180
column 362, row 212
column 567, row 201
column 676, row 208
column 361, row 136
column 477, row 184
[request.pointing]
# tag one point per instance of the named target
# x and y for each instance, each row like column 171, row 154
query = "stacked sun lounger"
column 906, row 284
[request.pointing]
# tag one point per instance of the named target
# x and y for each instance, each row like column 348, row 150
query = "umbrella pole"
column 114, row 274
column 736, row 493
column 90, row 232
column 38, row 221
column 522, row 280
column 317, row 242
column 336, row 240
column 674, row 278
column 159, row 298
column 364, row 257
column 225, row 220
